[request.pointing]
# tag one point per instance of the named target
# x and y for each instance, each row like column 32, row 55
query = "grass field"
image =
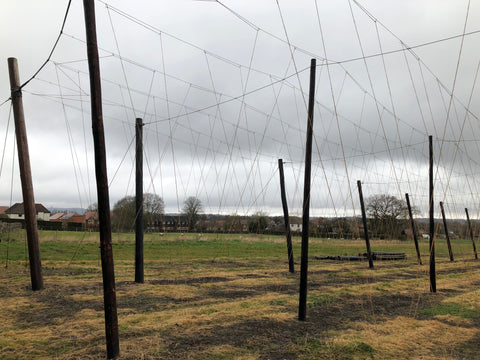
column 231, row 297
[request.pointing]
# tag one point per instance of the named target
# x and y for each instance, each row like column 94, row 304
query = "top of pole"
column 14, row 77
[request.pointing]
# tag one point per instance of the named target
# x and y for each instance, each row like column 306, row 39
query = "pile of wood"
column 376, row 255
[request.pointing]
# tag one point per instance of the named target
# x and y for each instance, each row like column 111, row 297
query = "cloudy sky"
column 222, row 88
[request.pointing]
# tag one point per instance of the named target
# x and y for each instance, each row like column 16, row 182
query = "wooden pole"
column 109, row 293
column 365, row 225
column 433, row 280
column 447, row 235
column 139, row 272
column 25, row 177
column 302, row 307
column 414, row 229
column 286, row 218
column 471, row 234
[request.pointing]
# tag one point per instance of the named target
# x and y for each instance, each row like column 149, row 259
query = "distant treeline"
column 340, row 228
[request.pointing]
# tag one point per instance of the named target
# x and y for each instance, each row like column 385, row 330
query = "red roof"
column 91, row 214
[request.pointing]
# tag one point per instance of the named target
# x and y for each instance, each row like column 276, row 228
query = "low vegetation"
column 218, row 296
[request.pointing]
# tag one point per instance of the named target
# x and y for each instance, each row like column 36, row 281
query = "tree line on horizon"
column 387, row 219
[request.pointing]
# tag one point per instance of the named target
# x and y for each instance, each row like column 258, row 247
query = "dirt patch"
column 228, row 311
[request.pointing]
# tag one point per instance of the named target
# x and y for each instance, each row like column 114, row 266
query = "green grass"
column 66, row 245
column 449, row 308
column 312, row 349
column 314, row 300
column 85, row 246
column 226, row 296
column 73, row 246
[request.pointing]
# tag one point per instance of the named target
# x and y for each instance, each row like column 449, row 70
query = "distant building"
column 17, row 212
column 57, row 216
column 91, row 220
column 70, row 221
column 219, row 226
column 73, row 218
column 175, row 223
column 296, row 225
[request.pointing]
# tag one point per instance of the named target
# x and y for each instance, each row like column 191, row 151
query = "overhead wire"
column 373, row 90
column 73, row 152
column 232, row 141
column 121, row 62
column 335, row 113
column 53, row 48
column 447, row 119
column 5, row 141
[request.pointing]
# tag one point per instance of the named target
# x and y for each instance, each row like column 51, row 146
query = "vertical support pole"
column 25, row 177
column 433, row 279
column 302, row 307
column 139, row 278
column 365, row 225
column 414, row 228
column 109, row 292
column 447, row 235
column 471, row 234
column 286, row 217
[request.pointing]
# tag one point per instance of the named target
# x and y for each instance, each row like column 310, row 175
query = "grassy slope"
column 231, row 296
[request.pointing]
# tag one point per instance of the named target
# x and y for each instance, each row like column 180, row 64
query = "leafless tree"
column 192, row 208
column 387, row 215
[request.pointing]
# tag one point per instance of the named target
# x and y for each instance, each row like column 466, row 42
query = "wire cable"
column 53, row 49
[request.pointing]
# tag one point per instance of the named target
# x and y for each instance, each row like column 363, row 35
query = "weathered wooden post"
column 414, row 228
column 109, row 293
column 139, row 271
column 365, row 225
column 302, row 307
column 286, row 218
column 433, row 279
column 471, row 234
column 25, row 177
column 447, row 235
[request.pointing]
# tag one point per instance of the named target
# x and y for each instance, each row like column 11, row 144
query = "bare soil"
column 240, row 309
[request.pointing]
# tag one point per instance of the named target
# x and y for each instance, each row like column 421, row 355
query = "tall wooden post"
column 433, row 279
column 471, row 234
column 139, row 202
column 25, row 177
column 414, row 228
column 286, row 218
column 302, row 307
column 447, row 235
column 365, row 224
column 109, row 294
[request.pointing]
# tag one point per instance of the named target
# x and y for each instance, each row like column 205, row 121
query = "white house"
column 17, row 212
column 296, row 226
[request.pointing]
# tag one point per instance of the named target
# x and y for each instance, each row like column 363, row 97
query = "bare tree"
column 124, row 212
column 387, row 214
column 192, row 208
column 258, row 223
column 92, row 207
column 153, row 211
column 233, row 224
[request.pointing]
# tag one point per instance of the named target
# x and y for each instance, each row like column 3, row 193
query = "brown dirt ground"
column 246, row 310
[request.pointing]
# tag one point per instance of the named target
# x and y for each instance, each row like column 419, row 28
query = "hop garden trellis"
column 219, row 137
column 221, row 145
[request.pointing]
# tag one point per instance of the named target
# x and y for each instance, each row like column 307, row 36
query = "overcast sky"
column 222, row 88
